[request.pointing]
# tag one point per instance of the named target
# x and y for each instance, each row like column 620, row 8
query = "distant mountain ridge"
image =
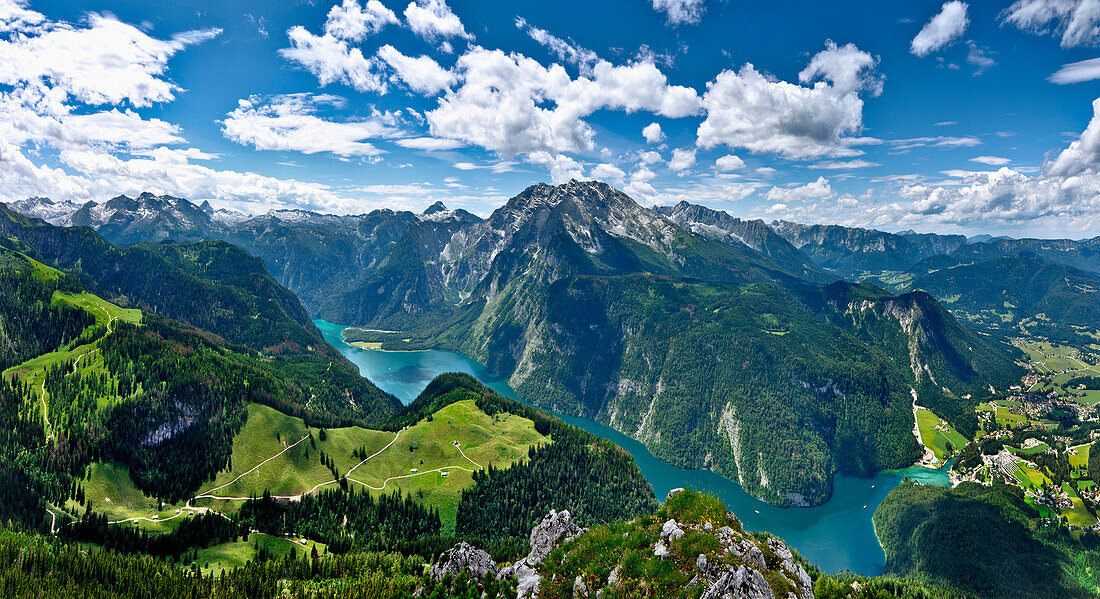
column 756, row 234
column 853, row 252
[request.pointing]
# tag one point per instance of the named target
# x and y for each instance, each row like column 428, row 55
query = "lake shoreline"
column 836, row 535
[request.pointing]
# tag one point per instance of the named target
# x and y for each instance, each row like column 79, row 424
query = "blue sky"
column 926, row 115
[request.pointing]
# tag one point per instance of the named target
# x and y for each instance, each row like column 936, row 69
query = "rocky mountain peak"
column 434, row 208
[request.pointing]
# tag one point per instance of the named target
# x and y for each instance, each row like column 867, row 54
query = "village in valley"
column 1036, row 435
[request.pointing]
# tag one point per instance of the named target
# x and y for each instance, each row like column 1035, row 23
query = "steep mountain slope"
column 982, row 540
column 710, row 353
column 1011, row 293
column 214, row 287
column 855, row 253
column 333, row 263
column 717, row 224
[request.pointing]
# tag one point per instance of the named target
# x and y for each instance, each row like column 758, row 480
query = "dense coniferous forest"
column 346, row 520
column 983, row 540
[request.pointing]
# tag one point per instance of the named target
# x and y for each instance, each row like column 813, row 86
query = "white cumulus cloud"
column 511, row 104
column 747, row 109
column 332, row 60
column 106, row 62
column 815, row 190
column 354, row 22
column 729, row 162
column 433, row 19
column 289, row 123
column 944, row 28
column 653, row 133
column 422, row 74
column 682, row 159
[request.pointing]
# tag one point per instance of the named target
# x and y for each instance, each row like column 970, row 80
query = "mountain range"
column 719, row 343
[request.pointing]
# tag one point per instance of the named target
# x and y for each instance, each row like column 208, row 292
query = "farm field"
column 1078, row 516
column 938, row 440
column 1029, row 476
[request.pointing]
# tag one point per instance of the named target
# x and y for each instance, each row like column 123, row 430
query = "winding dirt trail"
column 206, row 494
column 393, row 478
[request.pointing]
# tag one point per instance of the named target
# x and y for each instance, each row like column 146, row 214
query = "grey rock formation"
column 672, row 530
column 750, row 554
column 660, row 549
column 464, row 557
column 579, row 588
column 743, row 583
column 555, row 527
column 796, row 572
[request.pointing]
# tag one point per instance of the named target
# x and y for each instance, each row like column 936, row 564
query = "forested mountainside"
column 327, row 261
column 1000, row 285
column 983, row 540
column 688, row 547
column 710, row 353
column 161, row 404
column 157, row 396
column 1014, row 295
column 215, row 288
column 593, row 305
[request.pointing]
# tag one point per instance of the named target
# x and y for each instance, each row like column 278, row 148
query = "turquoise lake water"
column 836, row 535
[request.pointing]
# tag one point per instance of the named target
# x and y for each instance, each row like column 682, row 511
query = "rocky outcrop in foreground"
column 464, row 558
column 691, row 547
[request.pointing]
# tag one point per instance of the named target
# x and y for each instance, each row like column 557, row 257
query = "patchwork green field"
column 436, row 458
column 1078, row 516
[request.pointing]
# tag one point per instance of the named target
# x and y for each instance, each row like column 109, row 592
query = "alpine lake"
column 836, row 535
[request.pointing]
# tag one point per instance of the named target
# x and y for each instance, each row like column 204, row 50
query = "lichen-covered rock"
column 660, row 549
column 742, row 583
column 527, row 579
column 672, row 530
column 795, row 572
column 461, row 558
column 554, row 527
column 579, row 588
column 701, row 562
column 750, row 554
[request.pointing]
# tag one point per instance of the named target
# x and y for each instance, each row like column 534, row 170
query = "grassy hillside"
column 279, row 454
